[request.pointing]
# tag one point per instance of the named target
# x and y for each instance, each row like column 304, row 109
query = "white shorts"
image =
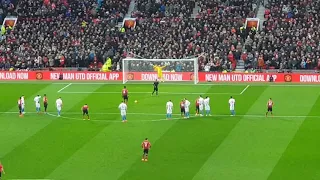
column 22, row 106
column 231, row 108
column 59, row 108
column 201, row 107
column 169, row 112
column 38, row 105
column 207, row 108
column 123, row 112
column 186, row 109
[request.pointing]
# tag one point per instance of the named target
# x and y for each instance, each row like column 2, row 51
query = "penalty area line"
column 244, row 90
column 64, row 87
column 147, row 114
column 109, row 121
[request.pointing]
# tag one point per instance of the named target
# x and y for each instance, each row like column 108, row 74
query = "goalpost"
column 175, row 70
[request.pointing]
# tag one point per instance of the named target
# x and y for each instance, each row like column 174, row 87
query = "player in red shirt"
column 20, row 107
column 125, row 95
column 197, row 106
column 183, row 111
column 45, row 103
column 146, row 145
column 85, row 111
column 269, row 105
column 1, row 170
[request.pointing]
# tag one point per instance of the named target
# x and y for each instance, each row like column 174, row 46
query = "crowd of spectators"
column 63, row 33
column 53, row 33
column 289, row 39
column 164, row 8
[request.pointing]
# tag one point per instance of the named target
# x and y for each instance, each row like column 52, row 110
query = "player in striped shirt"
column 206, row 103
column 169, row 107
column 59, row 105
column 187, row 107
column 22, row 104
column 37, row 101
column 123, row 111
column 232, row 103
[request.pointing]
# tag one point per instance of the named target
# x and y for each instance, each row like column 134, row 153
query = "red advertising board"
column 240, row 77
column 52, row 75
column 151, row 76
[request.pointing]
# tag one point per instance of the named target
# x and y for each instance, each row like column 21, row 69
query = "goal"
column 175, row 70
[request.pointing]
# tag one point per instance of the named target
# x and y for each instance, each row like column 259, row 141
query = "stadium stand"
column 289, row 39
column 67, row 33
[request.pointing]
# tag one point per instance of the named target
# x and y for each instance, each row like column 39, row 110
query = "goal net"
column 173, row 70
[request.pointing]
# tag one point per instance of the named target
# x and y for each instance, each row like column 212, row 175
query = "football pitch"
column 248, row 146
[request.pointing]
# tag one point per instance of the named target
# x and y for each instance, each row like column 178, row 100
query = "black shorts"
column 155, row 89
column 125, row 97
column 183, row 110
column 0, row 174
column 20, row 108
column 269, row 109
column 146, row 151
column 197, row 108
column 85, row 112
column 45, row 105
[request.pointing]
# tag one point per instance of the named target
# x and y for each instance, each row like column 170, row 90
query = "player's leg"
column 88, row 116
column 45, row 107
column 196, row 112
column 160, row 76
column 22, row 109
column 154, row 90
column 201, row 110
column 59, row 111
column 146, row 155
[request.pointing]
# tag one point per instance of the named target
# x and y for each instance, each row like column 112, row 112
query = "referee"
column 155, row 87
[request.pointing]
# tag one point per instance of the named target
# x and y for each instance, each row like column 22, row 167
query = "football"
column 135, row 101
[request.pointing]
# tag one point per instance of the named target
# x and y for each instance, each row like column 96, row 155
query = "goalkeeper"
column 159, row 70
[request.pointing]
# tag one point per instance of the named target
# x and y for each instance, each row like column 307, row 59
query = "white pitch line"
column 64, row 87
column 244, row 89
column 30, row 179
column 198, row 93
column 147, row 114
column 113, row 121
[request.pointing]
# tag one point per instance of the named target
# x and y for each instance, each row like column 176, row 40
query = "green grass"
column 248, row 146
